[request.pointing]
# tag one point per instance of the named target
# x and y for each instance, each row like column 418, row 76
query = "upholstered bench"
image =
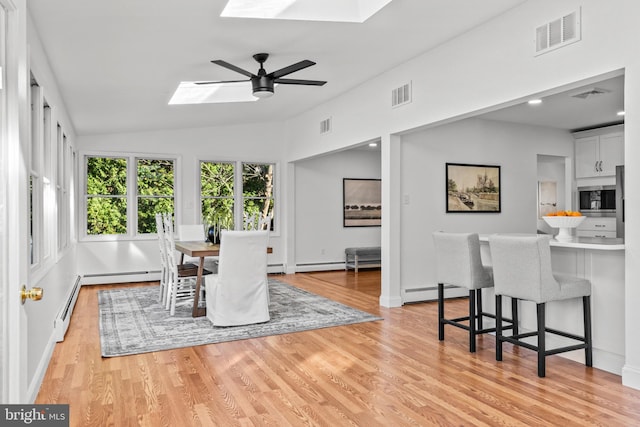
column 362, row 257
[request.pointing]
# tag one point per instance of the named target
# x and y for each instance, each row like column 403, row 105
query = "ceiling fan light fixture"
column 263, row 92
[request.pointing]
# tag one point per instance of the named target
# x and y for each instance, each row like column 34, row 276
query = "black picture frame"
column 361, row 202
column 472, row 188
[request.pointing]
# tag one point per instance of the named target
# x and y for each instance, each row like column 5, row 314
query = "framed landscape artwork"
column 362, row 202
column 472, row 188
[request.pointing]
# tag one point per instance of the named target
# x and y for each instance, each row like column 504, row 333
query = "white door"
column 13, row 214
column 3, row 214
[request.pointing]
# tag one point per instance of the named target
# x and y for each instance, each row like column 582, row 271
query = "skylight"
column 192, row 93
column 305, row 10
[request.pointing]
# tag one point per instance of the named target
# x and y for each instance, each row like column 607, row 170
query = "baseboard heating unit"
column 63, row 318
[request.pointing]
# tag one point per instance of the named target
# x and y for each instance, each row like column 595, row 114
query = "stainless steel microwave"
column 600, row 199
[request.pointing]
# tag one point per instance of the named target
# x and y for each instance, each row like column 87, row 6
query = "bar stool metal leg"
column 498, row 327
column 586, row 314
column 541, row 340
column 472, row 321
column 441, row 311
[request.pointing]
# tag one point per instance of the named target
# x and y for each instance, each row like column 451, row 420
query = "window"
column 257, row 195
column 237, row 195
column 116, row 183
column 106, row 195
column 217, row 194
column 36, row 241
column 155, row 191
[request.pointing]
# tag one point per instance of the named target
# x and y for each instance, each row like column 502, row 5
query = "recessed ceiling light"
column 620, row 113
column 305, row 10
column 535, row 101
column 373, row 144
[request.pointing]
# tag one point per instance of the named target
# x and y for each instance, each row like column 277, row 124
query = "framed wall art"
column 362, row 202
column 472, row 188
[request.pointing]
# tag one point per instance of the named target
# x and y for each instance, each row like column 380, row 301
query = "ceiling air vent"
column 401, row 95
column 558, row 33
column 589, row 93
column 325, row 126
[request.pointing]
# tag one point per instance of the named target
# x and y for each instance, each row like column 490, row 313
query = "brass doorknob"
column 34, row 294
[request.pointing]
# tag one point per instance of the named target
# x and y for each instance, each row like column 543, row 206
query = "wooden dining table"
column 198, row 249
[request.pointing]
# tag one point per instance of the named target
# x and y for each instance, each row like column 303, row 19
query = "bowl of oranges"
column 564, row 221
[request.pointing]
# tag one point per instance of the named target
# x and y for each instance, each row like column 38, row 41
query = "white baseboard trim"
column 631, row 377
column 430, row 293
column 41, row 370
column 390, row 302
column 326, row 266
column 107, row 278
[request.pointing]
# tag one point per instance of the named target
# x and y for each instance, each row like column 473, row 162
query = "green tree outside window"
column 106, row 195
column 257, row 195
column 155, row 191
column 217, row 194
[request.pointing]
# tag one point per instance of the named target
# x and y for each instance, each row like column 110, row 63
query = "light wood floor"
column 393, row 372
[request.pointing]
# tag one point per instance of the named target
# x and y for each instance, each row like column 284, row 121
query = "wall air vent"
column 325, row 126
column 590, row 93
column 558, row 33
column 401, row 95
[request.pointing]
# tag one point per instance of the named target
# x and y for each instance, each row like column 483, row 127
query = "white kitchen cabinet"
column 597, row 227
column 599, row 155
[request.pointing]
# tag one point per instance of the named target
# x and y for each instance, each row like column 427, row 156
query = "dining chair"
column 239, row 293
column 459, row 264
column 181, row 279
column 191, row 233
column 522, row 270
column 164, row 264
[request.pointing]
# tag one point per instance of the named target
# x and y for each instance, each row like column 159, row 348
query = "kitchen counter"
column 595, row 243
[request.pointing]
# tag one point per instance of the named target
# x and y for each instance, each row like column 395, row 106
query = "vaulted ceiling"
column 118, row 62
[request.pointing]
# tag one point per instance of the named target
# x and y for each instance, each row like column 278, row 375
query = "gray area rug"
column 132, row 321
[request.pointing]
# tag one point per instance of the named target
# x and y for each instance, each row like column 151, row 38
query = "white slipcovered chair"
column 239, row 293
column 522, row 270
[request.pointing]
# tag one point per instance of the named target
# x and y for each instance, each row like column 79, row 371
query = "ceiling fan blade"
column 299, row 82
column 291, row 68
column 219, row 82
column 232, row 67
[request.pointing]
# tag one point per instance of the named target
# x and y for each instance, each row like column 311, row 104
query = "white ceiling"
column 117, row 62
column 565, row 111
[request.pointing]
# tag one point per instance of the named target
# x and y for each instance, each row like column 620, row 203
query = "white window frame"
column 36, row 187
column 131, row 197
column 238, row 203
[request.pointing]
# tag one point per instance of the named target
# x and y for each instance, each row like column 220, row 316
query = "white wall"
column 253, row 143
column 489, row 67
column 57, row 273
column 513, row 147
column 320, row 237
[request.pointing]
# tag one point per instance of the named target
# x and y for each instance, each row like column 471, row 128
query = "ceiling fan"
column 262, row 82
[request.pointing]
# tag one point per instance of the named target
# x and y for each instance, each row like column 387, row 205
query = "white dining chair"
column 164, row 264
column 239, row 293
column 191, row 233
column 181, row 280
